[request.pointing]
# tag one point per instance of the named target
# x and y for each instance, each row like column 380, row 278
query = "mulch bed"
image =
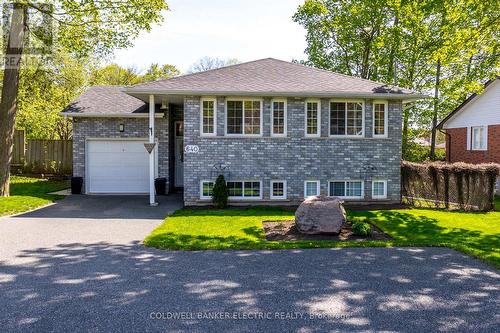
column 287, row 231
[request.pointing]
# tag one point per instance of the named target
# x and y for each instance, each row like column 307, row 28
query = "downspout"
column 448, row 144
column 152, row 201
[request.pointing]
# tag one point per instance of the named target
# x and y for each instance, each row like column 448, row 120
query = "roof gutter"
column 405, row 97
column 108, row 115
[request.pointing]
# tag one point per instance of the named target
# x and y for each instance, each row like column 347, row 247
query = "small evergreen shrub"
column 220, row 193
column 361, row 228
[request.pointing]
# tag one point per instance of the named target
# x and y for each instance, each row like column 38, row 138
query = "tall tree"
column 156, row 72
column 400, row 42
column 10, row 87
column 84, row 27
column 207, row 63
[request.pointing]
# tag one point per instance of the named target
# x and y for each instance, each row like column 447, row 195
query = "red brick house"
column 473, row 128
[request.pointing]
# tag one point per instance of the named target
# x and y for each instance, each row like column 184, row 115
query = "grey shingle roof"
column 269, row 77
column 107, row 100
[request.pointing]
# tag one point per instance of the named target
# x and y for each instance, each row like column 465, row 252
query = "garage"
column 117, row 166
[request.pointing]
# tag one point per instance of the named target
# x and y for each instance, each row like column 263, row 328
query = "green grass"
column 476, row 234
column 29, row 193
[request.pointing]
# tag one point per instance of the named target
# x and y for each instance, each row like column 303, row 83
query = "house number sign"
column 191, row 149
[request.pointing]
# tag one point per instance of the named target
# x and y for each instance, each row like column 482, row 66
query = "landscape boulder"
column 320, row 214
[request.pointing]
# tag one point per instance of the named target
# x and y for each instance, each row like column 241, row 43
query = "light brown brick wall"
column 457, row 149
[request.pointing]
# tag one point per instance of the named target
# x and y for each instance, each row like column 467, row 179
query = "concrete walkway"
column 76, row 272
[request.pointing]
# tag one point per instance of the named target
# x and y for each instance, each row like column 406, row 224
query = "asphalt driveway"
column 83, row 219
column 75, row 277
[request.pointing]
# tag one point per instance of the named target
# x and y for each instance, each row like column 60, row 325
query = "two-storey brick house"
column 277, row 131
column 473, row 128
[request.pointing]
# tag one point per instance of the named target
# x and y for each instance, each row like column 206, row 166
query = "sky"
column 242, row 29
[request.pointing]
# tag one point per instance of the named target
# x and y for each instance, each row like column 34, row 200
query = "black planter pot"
column 76, row 185
column 161, row 186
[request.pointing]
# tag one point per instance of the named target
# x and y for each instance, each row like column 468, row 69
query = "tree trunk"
column 10, row 89
column 435, row 111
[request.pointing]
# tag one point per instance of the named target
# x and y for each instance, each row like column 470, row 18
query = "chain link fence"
column 449, row 185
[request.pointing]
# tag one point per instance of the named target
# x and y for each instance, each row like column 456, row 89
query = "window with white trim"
column 380, row 119
column 349, row 189
column 379, row 189
column 244, row 189
column 206, row 189
column 243, row 117
column 278, row 189
column 311, row 188
column 313, row 118
column 278, row 116
column 208, row 115
column 479, row 137
column 346, row 118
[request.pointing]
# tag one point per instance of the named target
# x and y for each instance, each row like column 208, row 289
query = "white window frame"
column 278, row 197
column 485, row 131
column 243, row 190
column 386, row 119
column 318, row 126
column 285, row 115
column 345, row 181
column 243, row 99
column 385, row 189
column 205, row 197
column 317, row 187
column 208, row 99
column 363, row 120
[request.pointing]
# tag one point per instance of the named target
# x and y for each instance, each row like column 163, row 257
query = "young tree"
column 84, row 27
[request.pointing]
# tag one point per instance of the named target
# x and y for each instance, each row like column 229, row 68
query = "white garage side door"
column 117, row 166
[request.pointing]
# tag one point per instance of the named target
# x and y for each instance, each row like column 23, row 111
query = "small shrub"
column 361, row 228
column 220, row 193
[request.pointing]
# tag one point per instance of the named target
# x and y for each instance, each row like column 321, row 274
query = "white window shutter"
column 469, row 138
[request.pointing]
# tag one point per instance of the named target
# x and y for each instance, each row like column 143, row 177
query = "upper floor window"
column 243, row 117
column 313, row 118
column 379, row 119
column 208, row 115
column 479, row 138
column 346, row 118
column 278, row 118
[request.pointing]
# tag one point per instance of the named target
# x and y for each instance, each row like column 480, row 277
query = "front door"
column 179, row 153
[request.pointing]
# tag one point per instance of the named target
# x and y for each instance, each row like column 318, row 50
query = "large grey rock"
column 320, row 214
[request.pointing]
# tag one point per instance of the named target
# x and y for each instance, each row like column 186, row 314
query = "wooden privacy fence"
column 449, row 185
column 42, row 156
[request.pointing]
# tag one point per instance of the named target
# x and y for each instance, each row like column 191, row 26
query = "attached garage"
column 117, row 166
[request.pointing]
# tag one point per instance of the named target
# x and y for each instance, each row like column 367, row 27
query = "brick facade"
column 294, row 158
column 84, row 128
column 456, row 143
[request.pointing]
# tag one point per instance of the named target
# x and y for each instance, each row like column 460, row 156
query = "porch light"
column 121, row 127
column 164, row 105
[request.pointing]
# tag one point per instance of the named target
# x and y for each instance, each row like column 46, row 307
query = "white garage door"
column 117, row 167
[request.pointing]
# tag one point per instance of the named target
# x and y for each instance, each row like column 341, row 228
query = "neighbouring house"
column 277, row 131
column 473, row 128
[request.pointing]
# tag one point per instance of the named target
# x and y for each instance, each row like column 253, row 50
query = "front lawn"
column 477, row 234
column 29, row 193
